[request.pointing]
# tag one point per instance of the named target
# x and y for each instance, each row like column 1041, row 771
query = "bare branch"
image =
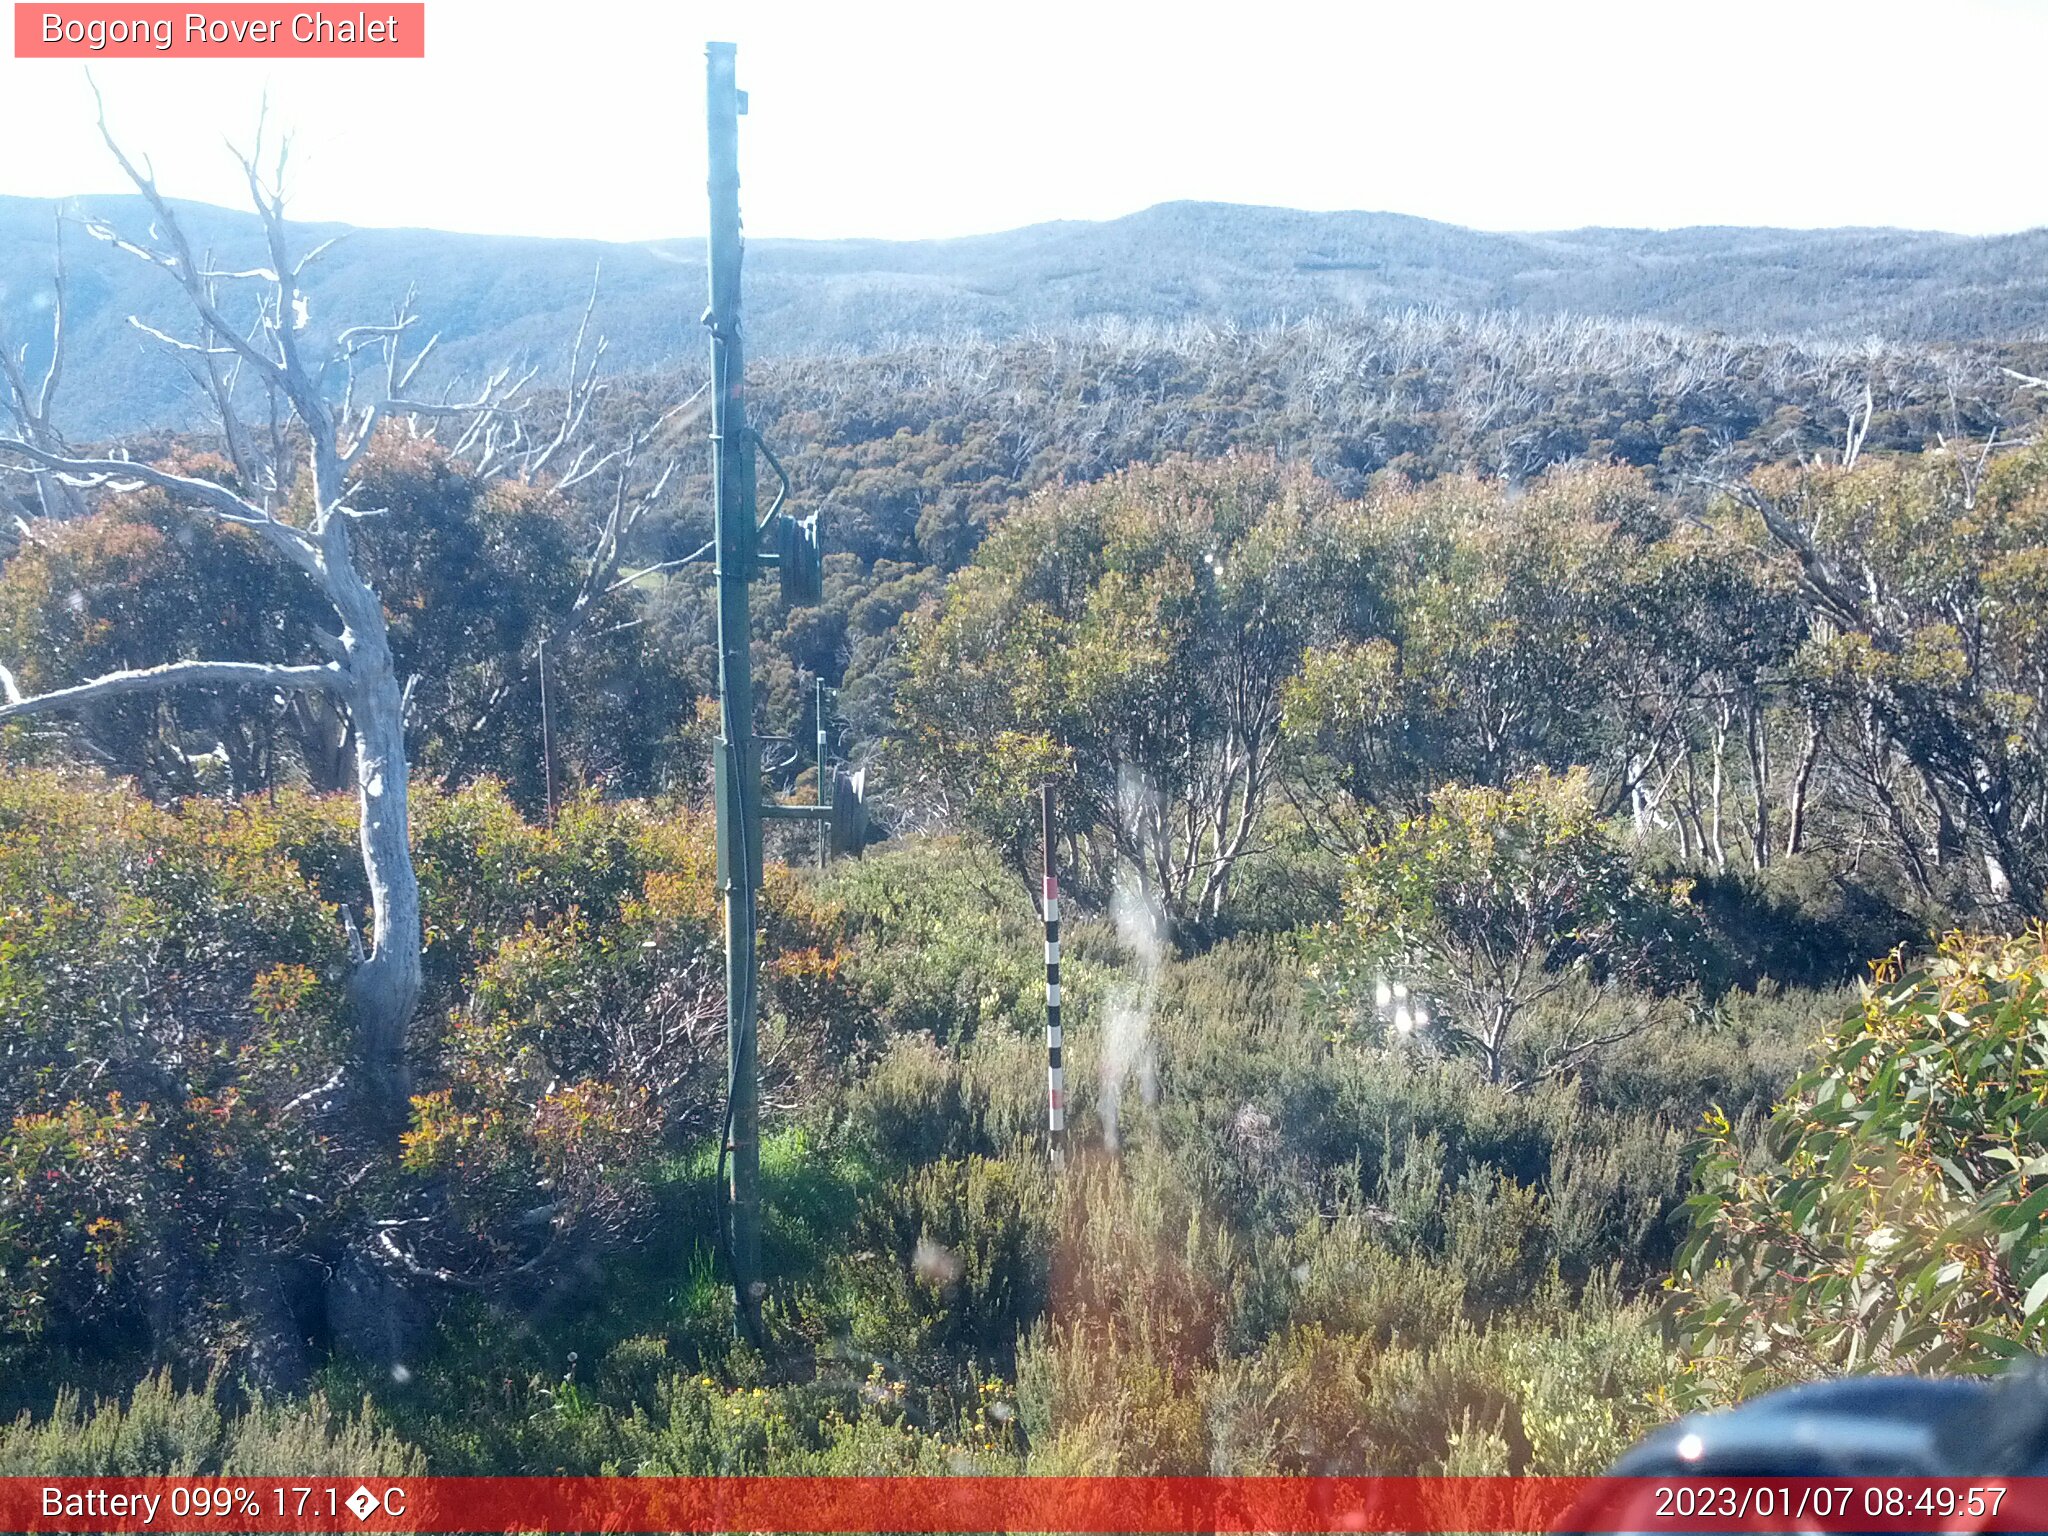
column 422, row 1271
column 31, row 407
column 358, row 336
column 217, row 499
column 630, row 577
column 583, row 386
column 305, row 261
column 360, row 674
column 324, row 677
column 176, row 345
column 179, row 260
column 403, row 380
column 55, row 372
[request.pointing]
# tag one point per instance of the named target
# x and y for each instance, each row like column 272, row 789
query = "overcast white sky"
column 899, row 118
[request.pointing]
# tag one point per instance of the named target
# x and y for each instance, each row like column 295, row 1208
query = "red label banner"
column 223, row 31
column 1050, row 1504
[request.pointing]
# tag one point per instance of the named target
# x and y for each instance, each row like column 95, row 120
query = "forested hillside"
column 913, row 454
column 495, row 299
column 1543, row 798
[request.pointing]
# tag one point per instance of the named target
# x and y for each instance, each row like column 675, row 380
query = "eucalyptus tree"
column 1492, row 629
column 1923, row 585
column 1133, row 638
column 1466, row 923
column 294, row 419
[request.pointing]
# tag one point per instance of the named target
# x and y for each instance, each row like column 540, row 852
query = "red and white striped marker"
column 1055, row 1074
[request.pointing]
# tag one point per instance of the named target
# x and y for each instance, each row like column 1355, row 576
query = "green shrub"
column 699, row 1428
column 916, row 1105
column 162, row 1431
column 1616, row 1200
column 1893, row 1217
column 948, row 941
column 1742, row 1054
column 1143, row 1258
column 1004, row 1078
column 159, row 1430
column 1348, row 1279
column 1460, row 922
column 954, row 1261
column 172, row 998
column 1497, row 1237
column 1590, row 1385
column 1802, row 922
column 1544, row 1389
column 174, row 1134
column 283, row 1439
column 1099, row 1400
column 1298, row 1406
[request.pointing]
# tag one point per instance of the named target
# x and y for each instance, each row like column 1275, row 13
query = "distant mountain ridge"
column 493, row 298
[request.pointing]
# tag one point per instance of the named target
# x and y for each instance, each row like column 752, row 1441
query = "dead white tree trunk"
column 253, row 352
column 1809, row 756
column 358, row 673
column 31, row 404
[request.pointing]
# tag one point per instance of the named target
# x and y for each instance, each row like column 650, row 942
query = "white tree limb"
column 325, row 676
column 179, row 260
column 30, row 407
column 221, row 502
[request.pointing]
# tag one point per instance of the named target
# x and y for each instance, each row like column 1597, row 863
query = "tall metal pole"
column 824, row 783
column 737, row 769
column 1055, row 1070
column 547, row 750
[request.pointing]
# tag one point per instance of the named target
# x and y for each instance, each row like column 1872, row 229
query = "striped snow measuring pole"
column 1055, row 1074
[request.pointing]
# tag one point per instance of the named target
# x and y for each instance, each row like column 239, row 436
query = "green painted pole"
column 736, row 773
column 824, row 783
